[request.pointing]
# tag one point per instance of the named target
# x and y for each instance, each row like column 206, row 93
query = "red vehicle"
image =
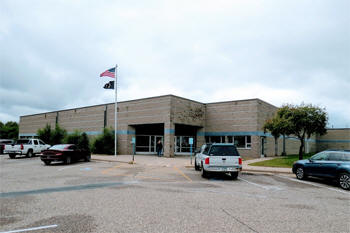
column 66, row 153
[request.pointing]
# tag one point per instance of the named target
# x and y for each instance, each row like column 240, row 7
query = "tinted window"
column 346, row 157
column 23, row 141
column 335, row 157
column 223, row 151
column 35, row 142
column 73, row 147
column 319, row 156
column 206, row 150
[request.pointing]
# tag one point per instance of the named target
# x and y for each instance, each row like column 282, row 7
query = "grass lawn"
column 281, row 162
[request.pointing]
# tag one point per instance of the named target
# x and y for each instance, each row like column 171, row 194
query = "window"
column 223, row 151
column 36, row 142
column 41, row 142
column 319, row 156
column 206, row 150
column 230, row 139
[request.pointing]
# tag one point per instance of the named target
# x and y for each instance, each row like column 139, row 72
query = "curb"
column 107, row 160
column 266, row 171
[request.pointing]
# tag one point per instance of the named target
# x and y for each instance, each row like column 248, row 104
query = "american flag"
column 110, row 73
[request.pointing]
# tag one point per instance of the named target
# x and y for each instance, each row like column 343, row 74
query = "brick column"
column 169, row 133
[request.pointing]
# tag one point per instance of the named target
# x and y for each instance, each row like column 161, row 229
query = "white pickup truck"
column 28, row 147
column 218, row 157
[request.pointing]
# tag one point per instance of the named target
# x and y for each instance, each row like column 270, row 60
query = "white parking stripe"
column 30, row 229
column 313, row 184
column 258, row 185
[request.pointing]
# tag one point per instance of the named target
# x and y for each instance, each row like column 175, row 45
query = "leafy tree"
column 50, row 136
column 9, row 130
column 104, row 144
column 304, row 121
column 58, row 135
column 45, row 134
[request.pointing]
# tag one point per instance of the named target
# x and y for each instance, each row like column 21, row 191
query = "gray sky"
column 52, row 52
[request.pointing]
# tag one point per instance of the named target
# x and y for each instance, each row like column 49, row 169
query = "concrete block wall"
column 29, row 125
column 334, row 139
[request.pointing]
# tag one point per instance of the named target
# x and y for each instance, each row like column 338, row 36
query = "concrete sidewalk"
column 182, row 161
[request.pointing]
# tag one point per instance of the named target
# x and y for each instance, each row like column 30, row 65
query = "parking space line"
column 183, row 174
column 31, row 229
column 312, row 184
column 66, row 167
column 110, row 169
column 255, row 184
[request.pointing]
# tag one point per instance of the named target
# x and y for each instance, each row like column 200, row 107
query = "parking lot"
column 102, row 196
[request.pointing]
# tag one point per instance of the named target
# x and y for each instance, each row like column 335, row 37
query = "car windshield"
column 58, row 147
column 223, row 151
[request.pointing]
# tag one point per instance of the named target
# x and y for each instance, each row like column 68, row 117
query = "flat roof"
column 147, row 98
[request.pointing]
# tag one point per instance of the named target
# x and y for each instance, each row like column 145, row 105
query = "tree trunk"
column 276, row 146
column 301, row 149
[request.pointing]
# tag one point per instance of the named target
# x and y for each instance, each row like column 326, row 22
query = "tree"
column 104, row 144
column 304, row 121
column 50, row 136
column 278, row 126
column 9, row 130
column 58, row 135
column 45, row 134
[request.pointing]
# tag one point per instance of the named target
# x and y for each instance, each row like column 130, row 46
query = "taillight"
column 206, row 161
column 240, row 161
column 22, row 147
column 58, row 153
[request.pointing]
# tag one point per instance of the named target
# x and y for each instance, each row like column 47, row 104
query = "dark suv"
column 331, row 164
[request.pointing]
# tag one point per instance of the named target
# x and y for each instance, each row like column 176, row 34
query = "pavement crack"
column 226, row 212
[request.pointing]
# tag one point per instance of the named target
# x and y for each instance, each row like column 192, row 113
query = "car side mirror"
column 310, row 160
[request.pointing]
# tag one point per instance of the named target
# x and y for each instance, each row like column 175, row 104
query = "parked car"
column 66, row 153
column 218, row 158
column 4, row 142
column 330, row 164
column 27, row 147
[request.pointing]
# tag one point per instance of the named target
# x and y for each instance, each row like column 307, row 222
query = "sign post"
column 133, row 141
column 190, row 141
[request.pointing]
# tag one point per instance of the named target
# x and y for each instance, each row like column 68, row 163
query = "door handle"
column 223, row 158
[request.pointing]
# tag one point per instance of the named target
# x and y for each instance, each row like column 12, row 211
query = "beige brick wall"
column 334, row 139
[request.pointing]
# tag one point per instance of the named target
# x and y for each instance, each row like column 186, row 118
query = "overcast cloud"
column 52, row 52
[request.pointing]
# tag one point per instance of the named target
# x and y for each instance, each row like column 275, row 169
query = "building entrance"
column 147, row 137
column 146, row 144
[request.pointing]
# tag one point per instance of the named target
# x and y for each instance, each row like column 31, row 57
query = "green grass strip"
column 281, row 162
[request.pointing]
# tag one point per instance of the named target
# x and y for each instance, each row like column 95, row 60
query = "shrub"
column 79, row 139
column 50, row 136
column 104, row 144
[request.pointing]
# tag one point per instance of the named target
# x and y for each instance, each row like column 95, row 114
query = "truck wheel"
column 196, row 167
column 12, row 156
column 47, row 162
column 205, row 174
column 29, row 153
column 68, row 160
column 234, row 175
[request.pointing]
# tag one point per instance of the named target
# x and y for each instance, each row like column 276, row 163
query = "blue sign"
column 190, row 141
column 133, row 140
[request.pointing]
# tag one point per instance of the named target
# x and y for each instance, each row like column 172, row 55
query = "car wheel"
column 87, row 158
column 300, row 173
column 234, row 175
column 196, row 167
column 205, row 174
column 30, row 154
column 68, row 160
column 47, row 162
column 344, row 181
column 12, row 156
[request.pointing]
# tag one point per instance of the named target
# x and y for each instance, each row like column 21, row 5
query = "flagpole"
column 115, row 112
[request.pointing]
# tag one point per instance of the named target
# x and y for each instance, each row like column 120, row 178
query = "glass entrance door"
column 182, row 144
column 146, row 144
